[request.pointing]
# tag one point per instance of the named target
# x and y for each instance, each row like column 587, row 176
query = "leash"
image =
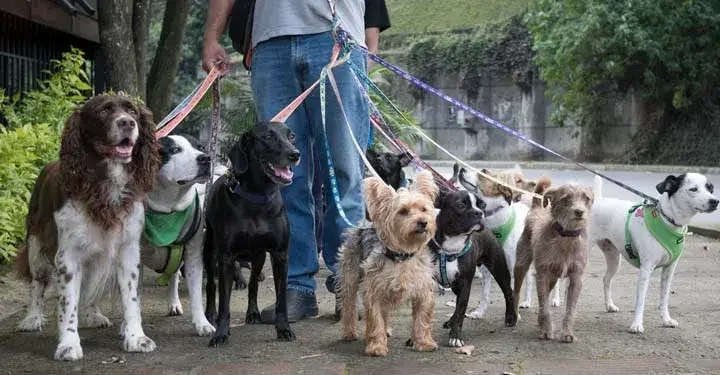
column 214, row 130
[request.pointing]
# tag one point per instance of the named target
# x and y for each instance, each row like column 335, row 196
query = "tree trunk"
column 118, row 48
column 140, row 30
column 167, row 58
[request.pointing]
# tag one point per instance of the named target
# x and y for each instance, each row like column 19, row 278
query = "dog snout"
column 422, row 224
column 579, row 213
column 713, row 203
column 294, row 156
column 203, row 159
column 125, row 123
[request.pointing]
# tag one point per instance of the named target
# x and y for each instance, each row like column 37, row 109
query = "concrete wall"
column 526, row 110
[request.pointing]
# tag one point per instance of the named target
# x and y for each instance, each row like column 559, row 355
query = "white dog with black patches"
column 174, row 224
column 656, row 235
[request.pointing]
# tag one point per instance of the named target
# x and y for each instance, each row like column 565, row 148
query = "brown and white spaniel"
column 85, row 220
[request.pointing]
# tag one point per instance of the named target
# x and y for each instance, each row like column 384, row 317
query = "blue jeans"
column 282, row 68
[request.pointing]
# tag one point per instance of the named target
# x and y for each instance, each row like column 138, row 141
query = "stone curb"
column 705, row 232
column 568, row 166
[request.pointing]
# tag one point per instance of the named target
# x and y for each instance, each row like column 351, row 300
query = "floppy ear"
column 73, row 153
column 486, row 172
column 238, row 154
column 548, row 196
column 425, row 184
column 442, row 194
column 378, row 196
column 456, row 172
column 670, row 185
column 590, row 196
column 405, row 159
column 146, row 154
column 508, row 194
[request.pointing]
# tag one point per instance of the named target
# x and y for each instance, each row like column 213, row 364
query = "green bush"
column 31, row 139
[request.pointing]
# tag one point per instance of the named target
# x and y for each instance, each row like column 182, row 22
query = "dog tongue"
column 283, row 172
column 124, row 150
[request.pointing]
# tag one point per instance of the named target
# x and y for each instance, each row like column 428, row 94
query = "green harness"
column 502, row 232
column 163, row 230
column 672, row 240
column 444, row 258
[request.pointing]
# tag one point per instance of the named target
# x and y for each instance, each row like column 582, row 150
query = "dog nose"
column 478, row 213
column 294, row 156
column 203, row 159
column 126, row 123
column 422, row 224
column 713, row 203
column 579, row 213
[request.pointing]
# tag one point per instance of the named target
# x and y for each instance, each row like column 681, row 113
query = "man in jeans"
column 292, row 41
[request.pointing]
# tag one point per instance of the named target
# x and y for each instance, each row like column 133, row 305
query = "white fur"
column 169, row 196
column 608, row 231
column 92, row 256
column 510, row 247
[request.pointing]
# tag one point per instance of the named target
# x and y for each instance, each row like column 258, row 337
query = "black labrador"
column 389, row 166
column 245, row 218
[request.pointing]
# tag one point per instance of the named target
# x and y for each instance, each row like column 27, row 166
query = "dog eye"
column 175, row 150
column 709, row 186
column 131, row 111
column 424, row 209
column 104, row 112
column 694, row 189
column 403, row 211
column 267, row 137
column 291, row 137
column 460, row 205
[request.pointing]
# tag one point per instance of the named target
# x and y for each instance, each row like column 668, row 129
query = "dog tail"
column 597, row 186
column 22, row 265
column 543, row 183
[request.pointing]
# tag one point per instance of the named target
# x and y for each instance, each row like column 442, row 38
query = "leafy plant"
column 32, row 139
column 403, row 129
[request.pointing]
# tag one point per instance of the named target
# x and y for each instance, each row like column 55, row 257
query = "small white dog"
column 649, row 237
column 174, row 224
column 505, row 215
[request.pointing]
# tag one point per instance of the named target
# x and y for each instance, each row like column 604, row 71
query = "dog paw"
column 31, row 323
column 670, row 323
column 611, row 308
column 69, row 351
column 376, row 350
column 567, row 337
column 430, row 346
column 252, row 317
column 139, row 344
column 511, row 320
column 525, row 305
column 547, row 335
column 96, row 320
column 637, row 328
column 175, row 309
column 409, row 342
column 455, row 343
column 204, row 328
column 350, row 337
column 219, row 339
column 240, row 284
column 285, row 334
column 478, row 313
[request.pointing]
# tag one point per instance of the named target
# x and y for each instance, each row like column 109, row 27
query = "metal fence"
column 27, row 48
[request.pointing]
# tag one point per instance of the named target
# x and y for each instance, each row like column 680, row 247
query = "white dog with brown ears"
column 649, row 236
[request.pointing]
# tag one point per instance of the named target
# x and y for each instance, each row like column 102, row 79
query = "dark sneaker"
column 299, row 306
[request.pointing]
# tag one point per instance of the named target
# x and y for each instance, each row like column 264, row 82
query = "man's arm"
column 377, row 20
column 218, row 14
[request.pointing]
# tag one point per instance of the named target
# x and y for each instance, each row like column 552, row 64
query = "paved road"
column 643, row 181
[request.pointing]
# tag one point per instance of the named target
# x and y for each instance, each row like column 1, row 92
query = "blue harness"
column 443, row 258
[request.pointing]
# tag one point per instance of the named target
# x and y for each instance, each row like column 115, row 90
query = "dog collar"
column 396, row 256
column 443, row 258
column 566, row 233
column 502, row 232
column 671, row 239
column 235, row 188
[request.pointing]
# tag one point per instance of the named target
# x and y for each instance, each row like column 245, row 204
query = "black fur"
column 456, row 217
column 240, row 229
column 671, row 184
column 389, row 166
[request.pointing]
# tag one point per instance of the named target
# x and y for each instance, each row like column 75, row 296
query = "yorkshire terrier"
column 389, row 261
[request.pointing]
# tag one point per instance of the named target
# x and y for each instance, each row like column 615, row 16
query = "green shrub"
column 31, row 139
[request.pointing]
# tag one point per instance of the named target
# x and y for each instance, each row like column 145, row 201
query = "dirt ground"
column 604, row 346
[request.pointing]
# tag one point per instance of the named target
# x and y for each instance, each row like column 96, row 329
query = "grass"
column 421, row 16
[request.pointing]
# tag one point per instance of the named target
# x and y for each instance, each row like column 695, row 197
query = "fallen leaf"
column 114, row 359
column 450, row 303
column 310, row 356
column 467, row 349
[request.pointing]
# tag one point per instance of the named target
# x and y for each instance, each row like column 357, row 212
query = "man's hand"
column 213, row 53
